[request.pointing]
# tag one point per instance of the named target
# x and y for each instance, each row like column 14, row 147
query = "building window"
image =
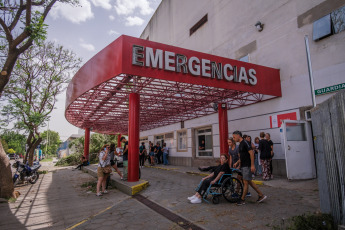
column 200, row 23
column 159, row 139
column 330, row 24
column 204, row 142
column 169, row 139
column 244, row 58
column 182, row 140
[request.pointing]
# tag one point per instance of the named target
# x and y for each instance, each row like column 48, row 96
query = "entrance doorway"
column 299, row 152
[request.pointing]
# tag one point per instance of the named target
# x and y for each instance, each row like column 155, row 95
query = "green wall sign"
column 330, row 89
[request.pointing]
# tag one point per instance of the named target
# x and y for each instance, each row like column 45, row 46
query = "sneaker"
column 249, row 194
column 191, row 197
column 121, row 178
column 235, row 195
column 196, row 200
column 105, row 192
column 261, row 198
column 240, row 202
column 99, row 194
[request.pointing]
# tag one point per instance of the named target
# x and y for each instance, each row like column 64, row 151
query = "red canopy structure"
column 173, row 84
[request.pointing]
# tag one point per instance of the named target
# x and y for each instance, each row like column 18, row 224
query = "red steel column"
column 223, row 128
column 118, row 140
column 133, row 137
column 87, row 143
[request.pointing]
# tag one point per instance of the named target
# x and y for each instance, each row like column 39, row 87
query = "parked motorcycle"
column 25, row 173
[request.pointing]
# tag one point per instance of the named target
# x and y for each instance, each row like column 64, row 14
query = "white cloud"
column 113, row 32
column 134, row 21
column 102, row 3
column 87, row 46
column 111, row 17
column 75, row 14
column 126, row 7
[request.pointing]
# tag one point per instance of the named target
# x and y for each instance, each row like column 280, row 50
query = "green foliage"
column 4, row 145
column 38, row 78
column 52, row 144
column 72, row 159
column 317, row 221
column 47, row 160
column 37, row 29
column 14, row 141
column 11, row 151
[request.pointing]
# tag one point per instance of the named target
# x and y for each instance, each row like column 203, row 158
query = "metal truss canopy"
column 98, row 95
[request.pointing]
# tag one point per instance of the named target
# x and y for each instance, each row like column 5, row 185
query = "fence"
column 328, row 120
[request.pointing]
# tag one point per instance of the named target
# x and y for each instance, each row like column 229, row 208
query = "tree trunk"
column 31, row 150
column 6, row 184
column 7, row 69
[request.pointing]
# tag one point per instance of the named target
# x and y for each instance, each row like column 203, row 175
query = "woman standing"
column 265, row 157
column 103, row 170
column 270, row 142
column 113, row 163
column 233, row 152
column 258, row 171
column 152, row 154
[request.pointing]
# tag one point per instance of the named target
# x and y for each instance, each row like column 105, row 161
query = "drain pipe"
column 310, row 70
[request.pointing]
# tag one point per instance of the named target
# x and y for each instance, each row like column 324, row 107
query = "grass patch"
column 12, row 200
column 47, row 160
column 90, row 186
column 317, row 221
column 43, row 172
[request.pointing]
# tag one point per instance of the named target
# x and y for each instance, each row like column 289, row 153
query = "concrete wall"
column 230, row 32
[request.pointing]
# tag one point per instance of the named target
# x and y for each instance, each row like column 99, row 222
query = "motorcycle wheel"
column 34, row 178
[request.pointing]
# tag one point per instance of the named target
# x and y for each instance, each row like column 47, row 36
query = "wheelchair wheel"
column 215, row 199
column 232, row 189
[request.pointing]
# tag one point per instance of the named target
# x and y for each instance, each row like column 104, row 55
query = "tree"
column 51, row 142
column 38, row 77
column 14, row 140
column 22, row 23
column 4, row 145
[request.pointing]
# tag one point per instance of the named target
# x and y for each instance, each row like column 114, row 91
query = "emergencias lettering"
column 170, row 61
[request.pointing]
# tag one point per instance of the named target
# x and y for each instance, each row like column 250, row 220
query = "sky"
column 89, row 28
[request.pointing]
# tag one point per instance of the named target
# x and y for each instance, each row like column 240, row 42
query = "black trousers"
column 204, row 186
column 141, row 159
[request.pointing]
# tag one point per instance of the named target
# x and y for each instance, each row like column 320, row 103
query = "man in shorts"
column 246, row 163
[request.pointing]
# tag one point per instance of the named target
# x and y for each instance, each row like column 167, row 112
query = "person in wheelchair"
column 223, row 168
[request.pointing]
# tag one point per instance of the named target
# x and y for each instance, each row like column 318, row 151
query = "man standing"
column 125, row 157
column 246, row 163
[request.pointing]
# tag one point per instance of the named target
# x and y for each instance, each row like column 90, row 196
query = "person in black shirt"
column 202, row 145
column 152, row 154
column 265, row 156
column 125, row 157
column 223, row 168
column 246, row 163
column 158, row 153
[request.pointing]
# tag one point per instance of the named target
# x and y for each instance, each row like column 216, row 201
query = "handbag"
column 107, row 169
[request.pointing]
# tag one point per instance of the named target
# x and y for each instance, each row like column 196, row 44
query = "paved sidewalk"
column 57, row 201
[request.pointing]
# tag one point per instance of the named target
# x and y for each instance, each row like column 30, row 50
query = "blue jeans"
column 257, row 166
column 165, row 159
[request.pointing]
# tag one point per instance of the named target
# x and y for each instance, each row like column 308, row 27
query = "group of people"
column 245, row 157
column 107, row 164
column 156, row 154
column 106, row 156
column 263, row 154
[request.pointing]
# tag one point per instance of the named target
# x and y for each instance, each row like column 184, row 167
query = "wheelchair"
column 227, row 186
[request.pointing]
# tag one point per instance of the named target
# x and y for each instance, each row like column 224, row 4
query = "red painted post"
column 133, row 137
column 87, row 143
column 118, row 140
column 223, row 128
